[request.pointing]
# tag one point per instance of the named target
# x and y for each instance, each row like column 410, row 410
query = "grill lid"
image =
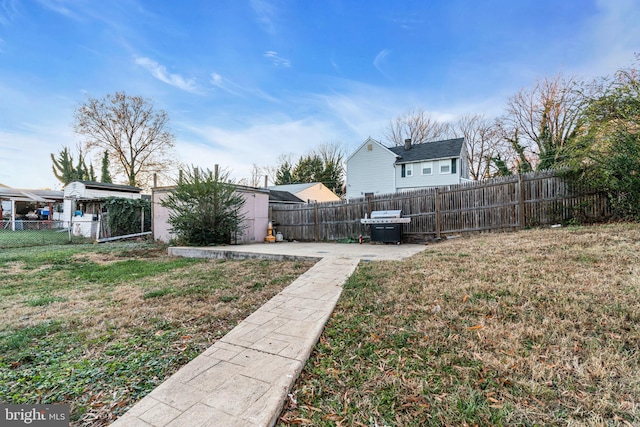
column 385, row 217
column 386, row 214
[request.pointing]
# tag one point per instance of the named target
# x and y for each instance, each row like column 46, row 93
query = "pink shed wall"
column 255, row 211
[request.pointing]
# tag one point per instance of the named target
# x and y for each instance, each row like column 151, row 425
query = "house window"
column 406, row 170
column 453, row 165
column 445, row 167
column 427, row 168
column 370, row 147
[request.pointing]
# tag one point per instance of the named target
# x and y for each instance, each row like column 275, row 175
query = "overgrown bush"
column 606, row 153
column 125, row 215
column 205, row 208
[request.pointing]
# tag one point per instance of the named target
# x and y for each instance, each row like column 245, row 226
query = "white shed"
column 82, row 203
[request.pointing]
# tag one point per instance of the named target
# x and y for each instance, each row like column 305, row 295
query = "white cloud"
column 31, row 167
column 238, row 90
column 260, row 142
column 276, row 59
column 8, row 12
column 221, row 83
column 612, row 37
column 59, row 6
column 265, row 14
column 380, row 58
column 160, row 72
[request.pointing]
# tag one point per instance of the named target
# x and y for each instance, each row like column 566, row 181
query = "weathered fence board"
column 499, row 204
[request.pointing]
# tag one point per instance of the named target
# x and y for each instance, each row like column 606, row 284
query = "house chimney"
column 407, row 144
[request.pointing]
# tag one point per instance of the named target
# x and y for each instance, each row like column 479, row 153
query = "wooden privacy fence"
column 507, row 203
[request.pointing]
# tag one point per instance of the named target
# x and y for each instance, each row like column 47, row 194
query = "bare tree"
column 131, row 130
column 256, row 177
column 484, row 141
column 417, row 125
column 545, row 118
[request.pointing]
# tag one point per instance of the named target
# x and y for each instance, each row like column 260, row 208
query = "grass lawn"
column 535, row 328
column 99, row 326
column 12, row 239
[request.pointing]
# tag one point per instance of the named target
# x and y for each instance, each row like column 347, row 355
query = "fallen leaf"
column 465, row 298
column 474, row 328
column 332, row 417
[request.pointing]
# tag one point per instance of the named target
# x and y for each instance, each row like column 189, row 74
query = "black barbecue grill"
column 386, row 226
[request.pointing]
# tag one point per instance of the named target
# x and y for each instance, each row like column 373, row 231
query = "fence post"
column 437, row 202
column 521, row 217
column 316, row 226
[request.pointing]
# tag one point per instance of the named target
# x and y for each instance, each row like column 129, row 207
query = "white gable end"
column 370, row 169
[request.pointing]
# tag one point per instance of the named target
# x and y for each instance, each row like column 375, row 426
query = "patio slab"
column 244, row 378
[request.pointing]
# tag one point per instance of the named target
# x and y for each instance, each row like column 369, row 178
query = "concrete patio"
column 244, row 378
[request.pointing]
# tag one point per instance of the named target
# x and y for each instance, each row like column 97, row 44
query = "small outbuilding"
column 21, row 208
column 255, row 212
column 83, row 203
column 310, row 192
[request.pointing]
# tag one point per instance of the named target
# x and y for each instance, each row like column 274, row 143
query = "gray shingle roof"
column 292, row 188
column 283, row 196
column 429, row 150
column 110, row 186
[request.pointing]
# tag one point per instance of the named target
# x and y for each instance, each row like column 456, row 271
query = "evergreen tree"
column 105, row 175
column 66, row 172
column 548, row 155
column 308, row 169
column 62, row 167
column 91, row 174
column 204, row 208
column 283, row 174
column 80, row 169
column 501, row 166
column 325, row 165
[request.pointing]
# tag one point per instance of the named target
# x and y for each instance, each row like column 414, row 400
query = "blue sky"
column 245, row 81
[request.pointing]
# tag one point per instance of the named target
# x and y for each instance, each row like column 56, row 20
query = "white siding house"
column 376, row 169
column 371, row 170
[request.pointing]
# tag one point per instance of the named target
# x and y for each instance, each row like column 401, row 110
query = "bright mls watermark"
column 34, row 415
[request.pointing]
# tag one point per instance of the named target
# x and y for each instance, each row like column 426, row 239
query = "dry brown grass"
column 540, row 327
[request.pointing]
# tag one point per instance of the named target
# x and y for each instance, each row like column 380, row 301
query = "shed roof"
column 293, row 188
column 429, row 150
column 278, row 196
column 110, row 186
column 30, row 195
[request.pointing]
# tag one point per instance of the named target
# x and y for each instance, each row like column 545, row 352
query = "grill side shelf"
column 385, row 220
